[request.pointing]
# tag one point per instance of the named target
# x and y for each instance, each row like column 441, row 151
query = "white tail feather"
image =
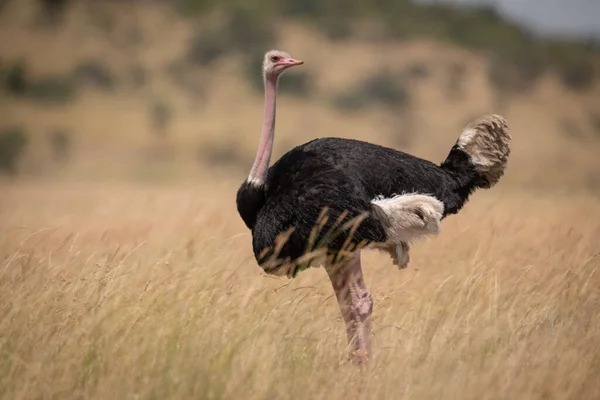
column 487, row 142
column 407, row 217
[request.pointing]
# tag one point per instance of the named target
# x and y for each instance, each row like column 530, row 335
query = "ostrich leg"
column 355, row 304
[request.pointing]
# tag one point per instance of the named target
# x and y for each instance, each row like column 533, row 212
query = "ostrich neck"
column 265, row 147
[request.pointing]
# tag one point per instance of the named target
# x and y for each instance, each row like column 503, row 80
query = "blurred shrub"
column 517, row 57
column 207, row 46
column 573, row 63
column 193, row 7
column 94, row 73
column 102, row 19
column 297, row 83
column 250, row 31
column 53, row 10
column 12, row 145
column 51, row 89
column 48, row 89
column 384, row 88
column 302, row 8
column 336, row 28
column 245, row 31
column 14, row 78
column 418, row 70
column 348, row 100
column 334, row 18
column 3, row 4
column 60, row 144
column 160, row 116
column 510, row 76
column 578, row 76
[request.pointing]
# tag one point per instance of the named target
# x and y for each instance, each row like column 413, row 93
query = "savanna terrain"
column 137, row 292
column 125, row 271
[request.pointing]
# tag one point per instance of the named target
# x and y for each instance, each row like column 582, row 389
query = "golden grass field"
column 115, row 289
column 136, row 292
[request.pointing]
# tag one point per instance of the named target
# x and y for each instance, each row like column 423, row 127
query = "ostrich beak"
column 290, row 62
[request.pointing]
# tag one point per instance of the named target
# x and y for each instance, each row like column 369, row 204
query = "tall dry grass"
column 152, row 293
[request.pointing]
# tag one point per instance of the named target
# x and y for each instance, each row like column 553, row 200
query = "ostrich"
column 325, row 201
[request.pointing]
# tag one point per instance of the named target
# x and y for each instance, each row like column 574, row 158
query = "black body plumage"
column 343, row 175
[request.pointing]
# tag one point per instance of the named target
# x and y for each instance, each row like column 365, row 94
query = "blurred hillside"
column 170, row 90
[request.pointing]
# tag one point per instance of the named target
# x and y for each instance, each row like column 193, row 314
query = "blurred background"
column 170, row 91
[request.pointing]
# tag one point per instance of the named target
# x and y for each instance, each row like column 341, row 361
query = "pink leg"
column 355, row 304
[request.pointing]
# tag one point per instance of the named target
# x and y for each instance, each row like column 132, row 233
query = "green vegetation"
column 510, row 47
column 517, row 58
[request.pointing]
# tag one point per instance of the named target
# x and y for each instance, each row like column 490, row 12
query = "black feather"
column 343, row 176
column 250, row 198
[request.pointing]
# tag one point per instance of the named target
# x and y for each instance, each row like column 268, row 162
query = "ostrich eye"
column 275, row 58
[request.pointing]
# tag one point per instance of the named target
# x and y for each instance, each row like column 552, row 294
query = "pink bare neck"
column 265, row 147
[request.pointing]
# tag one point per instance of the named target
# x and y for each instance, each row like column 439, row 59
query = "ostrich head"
column 277, row 61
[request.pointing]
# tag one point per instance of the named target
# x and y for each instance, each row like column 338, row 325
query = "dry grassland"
column 118, row 291
column 125, row 292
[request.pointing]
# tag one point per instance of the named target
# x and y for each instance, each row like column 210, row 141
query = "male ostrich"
column 357, row 195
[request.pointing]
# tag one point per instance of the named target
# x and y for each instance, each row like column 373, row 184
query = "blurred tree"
column 578, row 76
column 207, row 46
column 297, row 84
column 47, row 89
column 12, row 145
column 15, row 80
column 348, row 100
column 386, row 88
column 193, row 7
column 3, row 4
column 249, row 30
column 53, row 10
column 52, row 89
